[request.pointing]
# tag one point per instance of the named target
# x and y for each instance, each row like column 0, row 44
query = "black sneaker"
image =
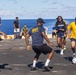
column 46, row 68
column 33, row 68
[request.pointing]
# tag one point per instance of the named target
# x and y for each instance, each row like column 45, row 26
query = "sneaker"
column 62, row 52
column 73, row 55
column 64, row 47
column 33, row 68
column 46, row 68
column 74, row 60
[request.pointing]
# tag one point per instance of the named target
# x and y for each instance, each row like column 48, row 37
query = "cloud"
column 2, row 12
column 56, row 3
column 70, row 7
column 44, row 1
column 14, row 1
column 6, row 14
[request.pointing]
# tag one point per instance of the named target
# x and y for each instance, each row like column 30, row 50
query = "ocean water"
column 8, row 28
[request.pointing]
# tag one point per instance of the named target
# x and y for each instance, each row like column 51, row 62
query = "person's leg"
column 59, row 42
column 46, row 65
column 73, row 47
column 62, row 49
column 35, row 58
column 15, row 33
column 64, row 43
column 47, row 50
column 52, row 34
column 35, row 62
column 18, row 33
column 55, row 35
column 15, row 36
column 5, row 36
column 21, row 34
column 49, row 58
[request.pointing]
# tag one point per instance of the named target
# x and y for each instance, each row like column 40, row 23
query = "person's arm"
column 64, row 27
column 68, row 31
column 47, row 39
column 14, row 24
column 27, row 42
column 21, row 32
column 27, row 31
column 56, row 27
column 19, row 26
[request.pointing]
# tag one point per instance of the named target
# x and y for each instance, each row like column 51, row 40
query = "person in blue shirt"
column 54, row 32
column 16, row 28
column 60, row 29
column 38, row 35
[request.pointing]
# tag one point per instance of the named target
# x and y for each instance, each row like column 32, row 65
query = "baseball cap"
column 40, row 20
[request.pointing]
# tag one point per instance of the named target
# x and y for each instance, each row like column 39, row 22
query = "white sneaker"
column 73, row 55
column 74, row 60
column 64, row 47
column 62, row 52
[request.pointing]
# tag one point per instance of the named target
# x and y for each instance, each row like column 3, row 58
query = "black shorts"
column 53, row 33
column 64, row 38
column 60, row 34
column 72, row 39
column 42, row 49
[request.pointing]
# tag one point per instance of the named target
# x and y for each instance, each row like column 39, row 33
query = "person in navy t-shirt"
column 60, row 29
column 38, row 35
column 54, row 32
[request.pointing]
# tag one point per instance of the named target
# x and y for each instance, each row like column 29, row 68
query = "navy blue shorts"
column 60, row 34
column 42, row 49
column 72, row 39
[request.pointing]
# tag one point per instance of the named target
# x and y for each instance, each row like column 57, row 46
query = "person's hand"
column 65, row 34
column 29, row 48
column 69, row 36
column 16, row 29
column 51, row 44
column 61, row 29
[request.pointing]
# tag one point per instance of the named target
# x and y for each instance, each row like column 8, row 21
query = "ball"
column 74, row 60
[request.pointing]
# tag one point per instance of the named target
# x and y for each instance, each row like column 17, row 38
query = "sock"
column 64, row 45
column 62, row 50
column 47, row 62
column 34, row 63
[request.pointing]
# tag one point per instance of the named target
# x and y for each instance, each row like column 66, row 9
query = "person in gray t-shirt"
column 38, row 35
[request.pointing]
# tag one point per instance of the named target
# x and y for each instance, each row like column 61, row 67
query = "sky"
column 32, row 9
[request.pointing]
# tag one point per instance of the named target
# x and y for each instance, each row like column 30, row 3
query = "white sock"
column 34, row 63
column 62, row 50
column 64, row 46
column 47, row 62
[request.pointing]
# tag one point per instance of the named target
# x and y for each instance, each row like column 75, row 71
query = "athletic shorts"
column 60, row 34
column 16, row 30
column 64, row 38
column 53, row 33
column 72, row 39
column 42, row 49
